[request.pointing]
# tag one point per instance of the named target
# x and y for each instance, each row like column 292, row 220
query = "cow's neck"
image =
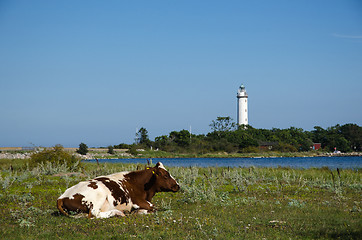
column 145, row 180
column 150, row 188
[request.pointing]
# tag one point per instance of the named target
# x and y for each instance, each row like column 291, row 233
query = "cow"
column 112, row 195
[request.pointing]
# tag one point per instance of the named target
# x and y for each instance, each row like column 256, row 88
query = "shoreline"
column 156, row 154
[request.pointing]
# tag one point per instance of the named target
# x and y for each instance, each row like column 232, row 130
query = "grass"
column 213, row 203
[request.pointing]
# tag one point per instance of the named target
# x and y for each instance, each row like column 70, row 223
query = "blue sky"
column 95, row 71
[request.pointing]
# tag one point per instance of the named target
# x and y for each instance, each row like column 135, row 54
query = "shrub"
column 83, row 149
column 110, row 149
column 122, row 146
column 285, row 147
column 132, row 150
column 55, row 155
column 250, row 149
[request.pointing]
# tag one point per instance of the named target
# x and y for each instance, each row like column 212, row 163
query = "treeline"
column 227, row 137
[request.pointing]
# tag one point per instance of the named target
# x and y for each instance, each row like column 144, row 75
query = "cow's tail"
column 60, row 207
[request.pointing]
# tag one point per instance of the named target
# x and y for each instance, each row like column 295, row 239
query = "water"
column 295, row 162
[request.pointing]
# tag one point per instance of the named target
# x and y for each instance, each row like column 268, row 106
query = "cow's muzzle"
column 175, row 188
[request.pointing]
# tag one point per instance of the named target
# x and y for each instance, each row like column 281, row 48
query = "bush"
column 110, row 149
column 55, row 155
column 132, row 150
column 83, row 149
column 285, row 147
column 122, row 146
column 250, row 149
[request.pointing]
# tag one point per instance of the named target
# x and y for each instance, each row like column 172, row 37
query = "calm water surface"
column 295, row 162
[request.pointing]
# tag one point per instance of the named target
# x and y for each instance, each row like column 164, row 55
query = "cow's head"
column 164, row 181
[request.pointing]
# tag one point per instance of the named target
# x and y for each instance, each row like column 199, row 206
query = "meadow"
column 213, row 203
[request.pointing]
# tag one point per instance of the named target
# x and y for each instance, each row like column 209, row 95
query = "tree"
column 122, row 146
column 319, row 135
column 83, row 149
column 334, row 137
column 142, row 135
column 222, row 124
column 181, row 138
column 110, row 149
column 353, row 134
column 242, row 138
column 161, row 141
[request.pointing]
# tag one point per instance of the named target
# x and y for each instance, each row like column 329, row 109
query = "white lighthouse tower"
column 242, row 97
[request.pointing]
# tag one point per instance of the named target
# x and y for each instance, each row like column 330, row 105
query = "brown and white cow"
column 111, row 195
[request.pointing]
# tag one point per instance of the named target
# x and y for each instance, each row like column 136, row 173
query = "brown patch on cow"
column 93, row 185
column 116, row 191
column 151, row 183
column 75, row 204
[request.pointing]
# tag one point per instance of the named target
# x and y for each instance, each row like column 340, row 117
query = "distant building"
column 316, row 146
column 242, row 96
column 267, row 145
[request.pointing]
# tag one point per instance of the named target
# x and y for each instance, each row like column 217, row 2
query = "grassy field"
column 213, row 203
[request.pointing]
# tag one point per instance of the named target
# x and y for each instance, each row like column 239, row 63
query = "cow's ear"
column 159, row 165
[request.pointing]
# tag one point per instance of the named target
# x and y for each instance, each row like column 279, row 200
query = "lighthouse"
column 242, row 97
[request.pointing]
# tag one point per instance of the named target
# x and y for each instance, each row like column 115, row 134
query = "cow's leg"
column 105, row 210
column 143, row 207
column 60, row 207
column 141, row 211
column 111, row 213
column 99, row 207
column 90, row 213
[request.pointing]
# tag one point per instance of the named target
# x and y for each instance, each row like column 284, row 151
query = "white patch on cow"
column 161, row 166
column 135, row 206
column 70, row 192
column 173, row 178
column 117, row 176
column 151, row 205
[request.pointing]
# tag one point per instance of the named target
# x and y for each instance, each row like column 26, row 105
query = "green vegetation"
column 213, row 203
column 226, row 137
column 164, row 154
column 142, row 136
column 83, row 149
column 110, row 150
column 55, row 156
